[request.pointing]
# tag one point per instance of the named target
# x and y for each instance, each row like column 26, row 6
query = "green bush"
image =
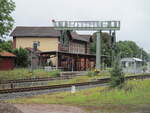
column 21, row 57
column 117, row 76
column 54, row 73
column 92, row 73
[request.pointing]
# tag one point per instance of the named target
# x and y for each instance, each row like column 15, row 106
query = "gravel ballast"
column 39, row 92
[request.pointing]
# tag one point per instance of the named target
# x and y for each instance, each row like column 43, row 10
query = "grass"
column 26, row 73
column 138, row 74
column 80, row 79
column 133, row 96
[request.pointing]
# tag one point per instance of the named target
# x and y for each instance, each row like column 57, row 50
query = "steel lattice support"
column 92, row 26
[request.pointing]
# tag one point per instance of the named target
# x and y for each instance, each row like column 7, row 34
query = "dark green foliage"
column 21, row 57
column 6, row 45
column 117, row 76
column 92, row 73
column 105, row 47
column 130, row 49
column 6, row 20
column 124, row 48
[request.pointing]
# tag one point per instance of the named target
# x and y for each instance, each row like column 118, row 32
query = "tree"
column 130, row 49
column 117, row 76
column 106, row 46
column 6, row 21
column 6, row 45
column 124, row 48
column 21, row 57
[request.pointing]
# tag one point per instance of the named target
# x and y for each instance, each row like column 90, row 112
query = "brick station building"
column 64, row 49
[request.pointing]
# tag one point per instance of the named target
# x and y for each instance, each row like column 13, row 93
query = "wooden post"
column 85, row 63
column 56, row 60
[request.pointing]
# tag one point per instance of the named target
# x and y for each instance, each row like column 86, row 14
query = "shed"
column 7, row 60
column 132, row 65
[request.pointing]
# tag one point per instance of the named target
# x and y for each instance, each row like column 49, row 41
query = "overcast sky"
column 133, row 14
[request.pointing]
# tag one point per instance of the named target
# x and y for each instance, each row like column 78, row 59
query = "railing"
column 61, row 48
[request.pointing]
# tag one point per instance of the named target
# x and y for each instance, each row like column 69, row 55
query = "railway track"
column 99, row 81
column 35, row 79
column 69, row 75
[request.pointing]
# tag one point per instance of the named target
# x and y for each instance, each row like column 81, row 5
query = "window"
column 36, row 44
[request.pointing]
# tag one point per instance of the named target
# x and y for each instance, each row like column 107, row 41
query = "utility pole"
column 35, row 45
column 142, row 53
column 98, row 50
column 31, row 56
column 113, row 40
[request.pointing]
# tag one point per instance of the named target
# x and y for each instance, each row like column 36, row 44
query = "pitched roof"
column 6, row 54
column 87, row 37
column 45, row 32
column 35, row 32
column 131, row 59
column 76, row 36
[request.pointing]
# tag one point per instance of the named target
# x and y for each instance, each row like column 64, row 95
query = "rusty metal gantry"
column 98, row 26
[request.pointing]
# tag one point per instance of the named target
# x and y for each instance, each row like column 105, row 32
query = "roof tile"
column 44, row 32
column 35, row 32
column 6, row 54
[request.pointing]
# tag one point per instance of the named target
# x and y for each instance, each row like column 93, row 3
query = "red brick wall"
column 6, row 63
column 14, row 43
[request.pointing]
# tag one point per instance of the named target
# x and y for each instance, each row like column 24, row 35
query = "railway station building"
column 60, row 49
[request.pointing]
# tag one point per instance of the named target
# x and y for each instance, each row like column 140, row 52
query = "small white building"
column 132, row 65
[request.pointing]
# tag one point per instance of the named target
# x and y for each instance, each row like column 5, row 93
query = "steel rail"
column 34, row 79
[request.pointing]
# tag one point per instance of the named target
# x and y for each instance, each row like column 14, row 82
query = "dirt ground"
column 53, row 108
column 109, row 108
column 8, row 108
column 47, row 108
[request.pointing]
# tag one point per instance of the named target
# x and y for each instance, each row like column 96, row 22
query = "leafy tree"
column 106, row 47
column 21, row 57
column 6, row 45
column 6, row 21
column 130, row 49
column 124, row 48
column 105, row 43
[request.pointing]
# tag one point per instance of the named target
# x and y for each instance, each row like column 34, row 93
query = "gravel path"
column 33, row 93
column 47, row 108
